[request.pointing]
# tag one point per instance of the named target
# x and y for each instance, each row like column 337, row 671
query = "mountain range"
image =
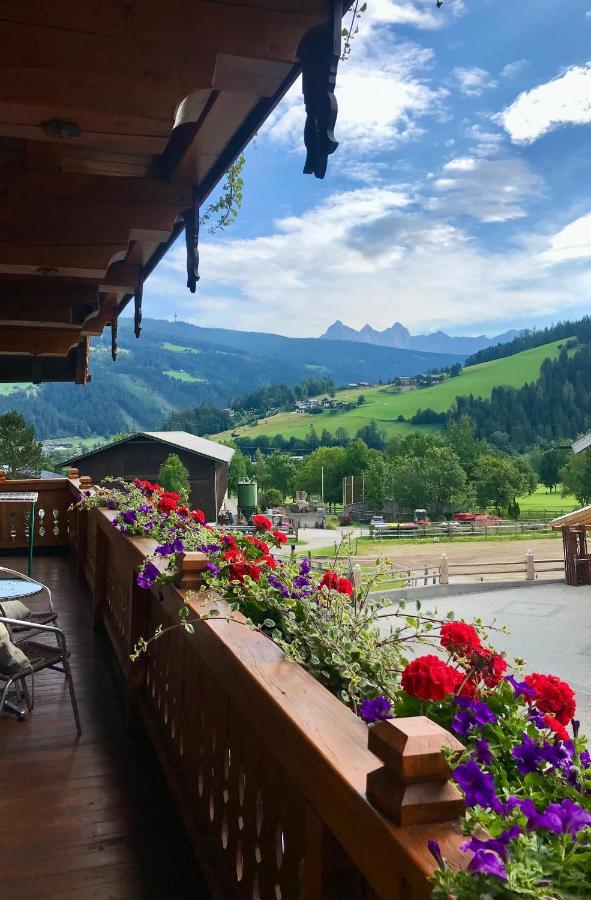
column 175, row 365
column 399, row 337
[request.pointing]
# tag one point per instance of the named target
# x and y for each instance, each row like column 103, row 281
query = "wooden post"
column 444, row 569
column 85, row 482
column 357, row 576
column 530, row 570
column 2, row 474
column 73, row 473
column 191, row 565
column 413, row 787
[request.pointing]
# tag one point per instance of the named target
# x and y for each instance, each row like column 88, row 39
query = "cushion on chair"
column 14, row 609
column 12, row 660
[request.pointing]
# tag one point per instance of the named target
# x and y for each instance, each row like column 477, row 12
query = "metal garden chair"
column 40, row 656
column 23, row 587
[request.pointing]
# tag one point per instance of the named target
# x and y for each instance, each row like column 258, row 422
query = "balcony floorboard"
column 88, row 817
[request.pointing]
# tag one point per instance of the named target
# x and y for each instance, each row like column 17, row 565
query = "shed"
column 141, row 455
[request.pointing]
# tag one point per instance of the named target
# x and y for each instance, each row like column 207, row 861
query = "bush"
column 174, row 476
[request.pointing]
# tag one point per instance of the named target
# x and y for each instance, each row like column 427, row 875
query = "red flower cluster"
column 553, row 696
column 335, row 582
column 261, row 523
column 459, row 638
column 168, row 502
column 198, row 516
column 146, row 486
column 429, row 678
column 240, row 567
column 280, row 537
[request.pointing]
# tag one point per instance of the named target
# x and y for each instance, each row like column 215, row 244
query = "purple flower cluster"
column 478, row 786
column 375, row 710
column 176, row 546
column 148, row 577
column 565, row 817
column 472, row 714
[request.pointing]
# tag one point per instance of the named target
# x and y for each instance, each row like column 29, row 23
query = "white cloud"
column 513, row 68
column 420, row 13
column 571, row 242
column 484, row 189
column 486, row 142
column 473, row 81
column 566, row 100
column 368, row 255
column 382, row 94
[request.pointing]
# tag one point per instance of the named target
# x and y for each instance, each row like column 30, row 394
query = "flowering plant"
column 525, row 776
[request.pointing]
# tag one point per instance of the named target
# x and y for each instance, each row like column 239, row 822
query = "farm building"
column 141, row 455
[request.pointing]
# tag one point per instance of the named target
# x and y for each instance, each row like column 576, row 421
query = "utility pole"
column 322, row 484
column 175, row 317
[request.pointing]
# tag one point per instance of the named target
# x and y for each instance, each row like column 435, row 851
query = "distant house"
column 141, row 455
column 582, row 443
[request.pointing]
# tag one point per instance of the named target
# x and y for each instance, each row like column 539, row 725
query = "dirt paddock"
column 411, row 557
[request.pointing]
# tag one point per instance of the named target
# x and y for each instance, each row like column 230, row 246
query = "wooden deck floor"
column 88, row 817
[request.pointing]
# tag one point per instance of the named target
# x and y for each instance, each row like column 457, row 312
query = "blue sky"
column 459, row 197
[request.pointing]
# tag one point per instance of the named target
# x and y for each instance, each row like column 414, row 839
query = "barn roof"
column 582, row 443
column 181, row 440
column 578, row 517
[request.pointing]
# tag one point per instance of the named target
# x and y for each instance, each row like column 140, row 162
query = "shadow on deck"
column 89, row 817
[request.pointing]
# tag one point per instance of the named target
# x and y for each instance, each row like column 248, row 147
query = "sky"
column 459, row 196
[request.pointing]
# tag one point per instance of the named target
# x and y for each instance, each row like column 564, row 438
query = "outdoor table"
column 30, row 497
column 15, row 589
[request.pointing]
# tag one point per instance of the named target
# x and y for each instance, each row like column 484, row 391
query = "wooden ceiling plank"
column 64, row 258
column 89, row 141
column 34, row 341
column 125, row 215
column 60, row 187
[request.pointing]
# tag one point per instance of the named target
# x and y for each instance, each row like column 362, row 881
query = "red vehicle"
column 465, row 516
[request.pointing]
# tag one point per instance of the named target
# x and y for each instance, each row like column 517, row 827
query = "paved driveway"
column 550, row 628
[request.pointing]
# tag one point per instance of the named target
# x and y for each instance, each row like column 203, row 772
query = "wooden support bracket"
column 413, row 787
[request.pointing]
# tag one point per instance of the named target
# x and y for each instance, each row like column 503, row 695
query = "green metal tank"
column 247, row 498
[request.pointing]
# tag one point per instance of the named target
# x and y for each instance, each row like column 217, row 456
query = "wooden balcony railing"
column 271, row 773
column 50, row 525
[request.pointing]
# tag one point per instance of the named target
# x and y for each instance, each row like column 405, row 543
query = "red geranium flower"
column 239, row 571
column 198, row 515
column 429, row 678
column 335, row 582
column 553, row 696
column 496, row 668
column 459, row 638
column 557, row 728
column 280, row 537
column 269, row 561
column 261, row 523
column 168, row 502
column 235, row 556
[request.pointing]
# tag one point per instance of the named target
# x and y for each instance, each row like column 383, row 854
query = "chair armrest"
column 53, row 629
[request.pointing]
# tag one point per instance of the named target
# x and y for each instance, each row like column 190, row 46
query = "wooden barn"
column 141, row 455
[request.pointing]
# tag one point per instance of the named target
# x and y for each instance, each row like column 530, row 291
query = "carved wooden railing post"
column 191, row 565
column 85, row 482
column 413, row 787
column 2, row 475
column 73, row 473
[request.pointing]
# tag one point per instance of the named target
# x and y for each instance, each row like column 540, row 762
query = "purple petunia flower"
column 112, row 504
column 435, row 851
column 498, row 845
column 212, row 568
column 178, row 546
column 560, row 755
column 486, row 862
column 128, row 516
column 478, row 786
column 148, row 526
column 528, row 755
column 209, row 548
column 521, row 688
column 482, row 752
column 537, row 718
column 278, row 584
column 305, row 565
column 585, row 759
column 147, row 578
column 472, row 714
column 144, row 508
column 164, row 550
column 565, row 817
column 375, row 710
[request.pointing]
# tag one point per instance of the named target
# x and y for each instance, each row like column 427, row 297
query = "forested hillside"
column 554, row 408
column 176, row 365
column 580, row 329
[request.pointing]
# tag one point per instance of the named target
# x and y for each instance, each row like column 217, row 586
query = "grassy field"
column 383, row 404
column 178, row 348
column 183, row 376
column 8, row 388
column 554, row 502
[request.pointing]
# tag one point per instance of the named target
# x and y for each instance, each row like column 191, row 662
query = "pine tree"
column 174, row 476
column 19, row 451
